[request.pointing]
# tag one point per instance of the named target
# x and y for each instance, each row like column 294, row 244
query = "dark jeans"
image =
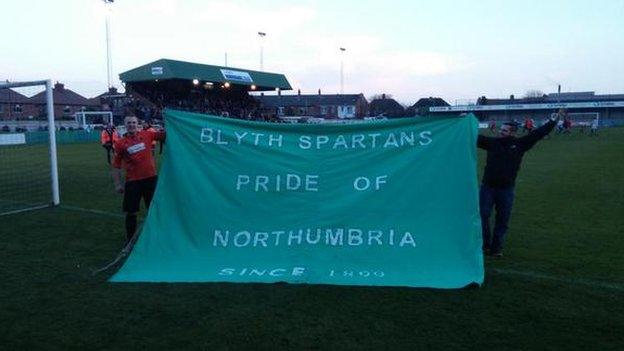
column 502, row 199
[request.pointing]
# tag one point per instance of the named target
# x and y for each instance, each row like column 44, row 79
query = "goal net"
column 28, row 165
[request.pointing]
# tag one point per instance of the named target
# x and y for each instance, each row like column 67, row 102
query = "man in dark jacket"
column 504, row 155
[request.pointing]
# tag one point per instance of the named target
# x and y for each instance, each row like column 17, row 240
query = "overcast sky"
column 458, row 50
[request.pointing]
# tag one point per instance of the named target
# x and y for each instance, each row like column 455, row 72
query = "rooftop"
column 10, row 96
column 62, row 96
column 165, row 69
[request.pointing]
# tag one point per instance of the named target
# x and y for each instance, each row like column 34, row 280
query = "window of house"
column 1, row 108
column 324, row 110
column 17, row 108
column 66, row 109
column 280, row 111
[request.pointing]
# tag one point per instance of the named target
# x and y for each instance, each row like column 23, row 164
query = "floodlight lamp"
column 195, row 81
column 253, row 87
column 227, row 84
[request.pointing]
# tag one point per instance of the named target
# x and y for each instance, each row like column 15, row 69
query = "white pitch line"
column 88, row 210
column 570, row 281
column 528, row 274
column 24, row 210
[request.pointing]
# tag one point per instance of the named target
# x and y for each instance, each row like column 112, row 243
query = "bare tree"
column 380, row 96
column 534, row 93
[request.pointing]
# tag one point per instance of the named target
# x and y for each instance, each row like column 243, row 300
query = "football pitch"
column 559, row 286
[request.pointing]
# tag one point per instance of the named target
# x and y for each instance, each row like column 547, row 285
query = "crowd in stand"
column 147, row 104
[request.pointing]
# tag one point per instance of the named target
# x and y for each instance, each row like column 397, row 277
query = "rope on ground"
column 122, row 254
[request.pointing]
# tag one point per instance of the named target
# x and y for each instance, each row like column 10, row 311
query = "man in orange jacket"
column 108, row 138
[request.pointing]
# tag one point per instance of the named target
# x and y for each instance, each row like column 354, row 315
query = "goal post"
column 581, row 119
column 93, row 119
column 24, row 169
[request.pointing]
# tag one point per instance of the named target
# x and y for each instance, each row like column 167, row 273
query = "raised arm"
column 529, row 140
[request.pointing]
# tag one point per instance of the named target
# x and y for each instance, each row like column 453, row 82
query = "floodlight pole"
column 261, row 35
column 342, row 50
column 52, row 136
column 109, row 60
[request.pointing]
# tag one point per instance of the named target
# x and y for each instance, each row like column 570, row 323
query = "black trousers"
column 135, row 190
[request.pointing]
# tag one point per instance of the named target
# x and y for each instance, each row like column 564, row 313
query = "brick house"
column 421, row 107
column 66, row 102
column 334, row 106
column 386, row 107
column 15, row 106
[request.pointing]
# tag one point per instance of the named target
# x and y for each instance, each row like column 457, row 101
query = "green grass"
column 560, row 286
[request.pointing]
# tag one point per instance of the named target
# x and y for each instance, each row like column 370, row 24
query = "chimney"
column 59, row 86
column 299, row 92
column 262, row 94
column 511, row 97
column 383, row 96
column 279, row 92
column 319, row 91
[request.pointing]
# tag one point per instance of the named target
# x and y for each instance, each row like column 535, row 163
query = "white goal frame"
column 81, row 117
column 56, row 200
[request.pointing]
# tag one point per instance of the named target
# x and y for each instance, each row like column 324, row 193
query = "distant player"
column 504, row 156
column 147, row 126
column 567, row 125
column 133, row 154
column 526, row 125
column 560, row 126
column 594, row 126
column 108, row 137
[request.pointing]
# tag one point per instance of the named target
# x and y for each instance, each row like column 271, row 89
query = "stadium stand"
column 195, row 87
column 582, row 108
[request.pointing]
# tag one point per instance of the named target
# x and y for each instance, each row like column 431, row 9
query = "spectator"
column 504, row 156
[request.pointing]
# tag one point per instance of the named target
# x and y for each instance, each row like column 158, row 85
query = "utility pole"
column 261, row 35
column 109, row 61
column 342, row 50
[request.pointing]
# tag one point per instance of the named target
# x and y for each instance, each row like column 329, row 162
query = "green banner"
column 390, row 203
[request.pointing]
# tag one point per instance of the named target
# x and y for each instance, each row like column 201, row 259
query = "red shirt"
column 134, row 152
